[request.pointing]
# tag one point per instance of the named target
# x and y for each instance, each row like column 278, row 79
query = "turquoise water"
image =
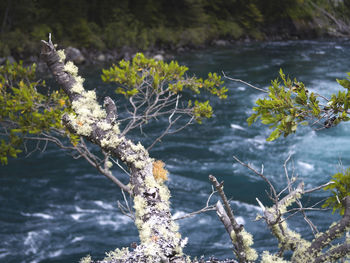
column 56, row 209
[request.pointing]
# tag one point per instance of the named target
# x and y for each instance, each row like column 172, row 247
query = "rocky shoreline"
column 86, row 57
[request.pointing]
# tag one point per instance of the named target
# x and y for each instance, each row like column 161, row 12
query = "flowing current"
column 57, row 209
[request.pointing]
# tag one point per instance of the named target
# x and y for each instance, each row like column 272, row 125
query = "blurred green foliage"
column 143, row 24
column 289, row 104
column 285, row 107
column 340, row 188
column 25, row 112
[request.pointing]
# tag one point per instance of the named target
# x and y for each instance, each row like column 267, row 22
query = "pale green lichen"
column 151, row 182
column 138, row 147
column 139, row 164
column 116, row 128
column 77, row 88
column 84, row 129
column 86, row 108
column 178, row 250
column 70, row 68
column 131, row 158
column 300, row 252
column 118, row 254
column 174, row 227
column 139, row 205
column 287, row 238
column 268, row 258
column 278, row 230
column 164, row 193
column 162, row 206
column 104, row 125
column 97, row 112
column 258, row 217
column 109, row 164
column 289, row 201
column 61, row 55
column 138, row 223
column 152, row 250
column 247, row 240
column 111, row 140
column 90, row 95
column 86, row 259
column 296, row 237
column 163, row 231
column 79, row 79
column 145, row 233
column 81, row 125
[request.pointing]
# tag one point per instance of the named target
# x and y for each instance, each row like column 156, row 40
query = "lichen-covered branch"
column 160, row 239
column 287, row 238
column 313, row 252
column 333, row 254
column 241, row 239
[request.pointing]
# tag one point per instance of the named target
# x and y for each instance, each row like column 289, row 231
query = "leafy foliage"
column 25, row 112
column 285, row 107
column 144, row 76
column 291, row 104
column 340, row 189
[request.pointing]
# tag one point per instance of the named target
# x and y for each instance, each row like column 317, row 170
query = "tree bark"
column 160, row 239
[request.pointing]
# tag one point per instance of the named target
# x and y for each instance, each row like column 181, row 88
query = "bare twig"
column 207, row 208
column 272, row 188
column 200, row 211
column 317, row 188
column 245, row 83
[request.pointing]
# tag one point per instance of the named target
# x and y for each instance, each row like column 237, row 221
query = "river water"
column 56, row 209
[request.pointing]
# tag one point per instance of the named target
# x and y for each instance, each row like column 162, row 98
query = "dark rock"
column 75, row 55
column 33, row 59
column 101, row 58
column 181, row 49
column 10, row 59
column 221, row 43
column 158, row 57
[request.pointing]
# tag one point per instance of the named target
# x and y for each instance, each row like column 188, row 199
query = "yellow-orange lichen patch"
column 61, row 102
column 154, row 238
column 159, row 173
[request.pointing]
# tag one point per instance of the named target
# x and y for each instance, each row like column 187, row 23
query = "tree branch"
column 327, row 237
column 158, row 232
column 241, row 240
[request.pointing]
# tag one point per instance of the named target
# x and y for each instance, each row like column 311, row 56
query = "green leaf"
column 274, row 135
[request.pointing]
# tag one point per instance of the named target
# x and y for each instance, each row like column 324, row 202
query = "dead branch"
column 234, row 229
column 242, row 81
column 205, row 209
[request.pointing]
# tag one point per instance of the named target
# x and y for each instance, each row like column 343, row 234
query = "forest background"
column 101, row 25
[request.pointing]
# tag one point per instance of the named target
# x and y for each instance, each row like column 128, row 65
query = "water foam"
column 42, row 215
column 104, row 205
column 237, row 127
